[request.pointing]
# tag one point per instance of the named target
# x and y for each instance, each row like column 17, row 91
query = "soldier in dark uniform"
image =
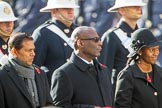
column 94, row 13
column 52, row 39
column 116, row 40
column 7, row 19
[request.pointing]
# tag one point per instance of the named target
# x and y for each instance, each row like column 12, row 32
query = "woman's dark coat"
column 134, row 91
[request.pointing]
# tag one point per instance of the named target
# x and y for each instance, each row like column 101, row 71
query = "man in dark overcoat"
column 22, row 84
column 83, row 82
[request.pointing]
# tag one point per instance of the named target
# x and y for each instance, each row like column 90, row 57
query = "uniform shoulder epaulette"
column 45, row 24
column 109, row 31
column 113, row 29
column 48, row 22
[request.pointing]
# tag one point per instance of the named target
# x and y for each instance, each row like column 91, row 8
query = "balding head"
column 82, row 32
column 86, row 42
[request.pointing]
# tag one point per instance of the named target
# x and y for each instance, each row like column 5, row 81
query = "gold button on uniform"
column 65, row 44
column 4, row 46
column 155, row 93
column 67, row 60
column 66, row 30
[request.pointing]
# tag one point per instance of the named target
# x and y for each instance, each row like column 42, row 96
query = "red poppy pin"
column 102, row 66
column 37, row 70
column 148, row 78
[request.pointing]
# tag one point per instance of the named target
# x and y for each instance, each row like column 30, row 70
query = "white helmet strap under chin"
column 4, row 34
column 63, row 18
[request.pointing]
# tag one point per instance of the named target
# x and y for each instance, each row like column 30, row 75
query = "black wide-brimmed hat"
column 140, row 38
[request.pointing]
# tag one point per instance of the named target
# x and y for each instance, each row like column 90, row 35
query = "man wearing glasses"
column 86, row 81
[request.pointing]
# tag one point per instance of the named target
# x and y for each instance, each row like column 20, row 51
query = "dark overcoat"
column 74, row 86
column 13, row 92
column 134, row 91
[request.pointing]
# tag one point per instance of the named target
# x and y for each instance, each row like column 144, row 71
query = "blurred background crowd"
column 91, row 13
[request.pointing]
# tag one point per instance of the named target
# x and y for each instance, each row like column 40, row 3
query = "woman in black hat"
column 139, row 84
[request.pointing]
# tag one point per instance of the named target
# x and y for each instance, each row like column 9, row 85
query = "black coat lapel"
column 17, row 81
column 80, row 64
column 39, row 87
column 104, row 83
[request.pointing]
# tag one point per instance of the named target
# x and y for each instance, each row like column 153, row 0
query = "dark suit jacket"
column 133, row 90
column 13, row 92
column 74, row 86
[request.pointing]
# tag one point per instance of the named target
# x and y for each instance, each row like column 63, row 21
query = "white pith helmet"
column 6, row 12
column 126, row 3
column 53, row 4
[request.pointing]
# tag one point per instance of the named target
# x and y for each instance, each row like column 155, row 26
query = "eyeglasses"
column 95, row 39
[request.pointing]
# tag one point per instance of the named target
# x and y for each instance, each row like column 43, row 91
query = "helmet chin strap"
column 4, row 34
column 66, row 21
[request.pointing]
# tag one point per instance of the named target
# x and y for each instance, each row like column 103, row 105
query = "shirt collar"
column 85, row 60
